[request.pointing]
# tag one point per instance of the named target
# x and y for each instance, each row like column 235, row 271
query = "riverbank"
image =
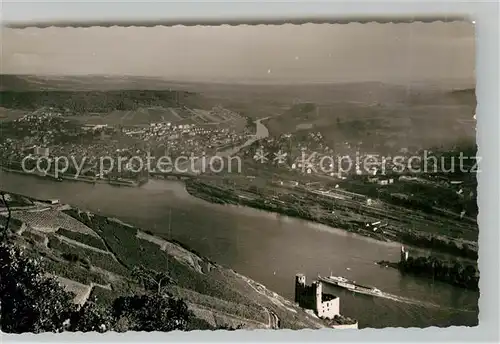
column 340, row 216
column 62, row 177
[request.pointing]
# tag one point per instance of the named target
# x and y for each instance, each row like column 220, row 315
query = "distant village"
column 45, row 133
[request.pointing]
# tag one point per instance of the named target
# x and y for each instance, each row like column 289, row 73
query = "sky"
column 291, row 53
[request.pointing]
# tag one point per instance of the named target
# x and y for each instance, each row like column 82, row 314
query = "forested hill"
column 466, row 96
column 94, row 94
column 94, row 101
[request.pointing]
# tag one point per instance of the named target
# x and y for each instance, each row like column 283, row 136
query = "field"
column 178, row 116
column 132, row 251
column 74, row 272
column 11, row 114
column 244, row 311
column 34, row 236
column 86, row 239
column 49, row 220
column 218, row 290
column 88, row 257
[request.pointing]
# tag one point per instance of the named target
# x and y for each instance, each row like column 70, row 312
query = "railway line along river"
column 270, row 249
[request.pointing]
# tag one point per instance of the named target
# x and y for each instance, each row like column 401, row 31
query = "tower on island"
column 324, row 306
column 312, row 297
column 404, row 255
column 300, row 286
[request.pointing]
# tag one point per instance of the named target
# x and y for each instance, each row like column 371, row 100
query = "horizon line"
column 248, row 81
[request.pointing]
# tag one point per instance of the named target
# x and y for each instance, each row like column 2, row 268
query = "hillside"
column 94, row 95
column 467, row 95
column 383, row 123
column 93, row 256
column 82, row 102
column 9, row 82
column 381, row 116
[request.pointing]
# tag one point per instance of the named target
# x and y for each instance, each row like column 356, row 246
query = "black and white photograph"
column 238, row 177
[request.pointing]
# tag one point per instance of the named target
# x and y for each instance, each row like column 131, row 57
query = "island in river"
column 460, row 274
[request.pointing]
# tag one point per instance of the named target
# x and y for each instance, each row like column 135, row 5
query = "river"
column 268, row 248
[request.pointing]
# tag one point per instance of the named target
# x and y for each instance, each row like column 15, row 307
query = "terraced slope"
column 93, row 256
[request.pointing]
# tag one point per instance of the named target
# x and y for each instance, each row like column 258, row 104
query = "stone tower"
column 318, row 297
column 300, row 286
column 404, row 255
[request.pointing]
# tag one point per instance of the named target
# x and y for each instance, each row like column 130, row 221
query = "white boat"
column 345, row 283
column 339, row 281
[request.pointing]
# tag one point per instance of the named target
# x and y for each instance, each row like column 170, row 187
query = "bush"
column 152, row 312
column 104, row 296
column 33, row 236
column 30, row 301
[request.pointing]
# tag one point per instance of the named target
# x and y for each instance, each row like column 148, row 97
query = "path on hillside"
column 195, row 306
column 273, row 318
column 88, row 247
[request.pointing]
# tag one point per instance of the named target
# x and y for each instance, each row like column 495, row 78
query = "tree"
column 151, row 312
column 230, row 327
column 152, row 280
column 6, row 204
column 33, row 302
column 156, row 310
column 91, row 317
column 30, row 301
column 250, row 123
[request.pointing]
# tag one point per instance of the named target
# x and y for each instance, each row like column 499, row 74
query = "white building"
column 322, row 305
column 43, row 151
column 326, row 307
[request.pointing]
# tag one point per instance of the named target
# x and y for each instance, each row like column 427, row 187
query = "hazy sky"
column 311, row 52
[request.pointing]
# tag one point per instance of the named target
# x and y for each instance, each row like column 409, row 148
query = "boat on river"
column 345, row 283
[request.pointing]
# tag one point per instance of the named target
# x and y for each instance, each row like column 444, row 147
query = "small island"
column 452, row 272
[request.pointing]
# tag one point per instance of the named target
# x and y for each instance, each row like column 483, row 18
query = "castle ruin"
column 312, row 297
